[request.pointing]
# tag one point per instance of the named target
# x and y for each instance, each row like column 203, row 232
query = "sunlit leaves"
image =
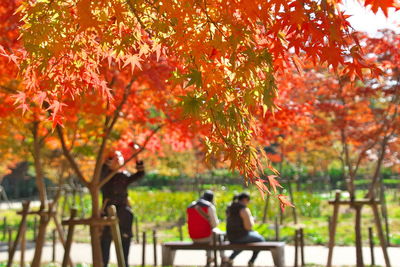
column 383, row 5
column 226, row 56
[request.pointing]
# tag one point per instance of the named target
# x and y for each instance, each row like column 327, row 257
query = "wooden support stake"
column 4, row 228
column 116, row 235
column 281, row 215
column 302, row 247
column 68, row 243
column 143, row 249
column 155, row 247
column 54, row 243
column 25, row 209
column 332, row 230
column 60, row 232
column 81, row 202
column 371, row 245
column 381, row 234
column 277, row 235
column 296, row 247
column 215, row 249
column 34, row 229
column 23, row 246
column 137, row 230
column 294, row 211
column 329, row 224
column 180, row 232
column 10, row 232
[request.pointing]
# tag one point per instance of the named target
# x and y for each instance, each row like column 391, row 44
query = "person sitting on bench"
column 202, row 221
column 234, row 199
column 239, row 227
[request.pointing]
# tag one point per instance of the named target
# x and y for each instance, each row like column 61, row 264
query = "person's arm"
column 212, row 213
column 138, row 175
column 248, row 220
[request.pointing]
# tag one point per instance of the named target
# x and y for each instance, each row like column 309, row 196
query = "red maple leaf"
column 383, row 5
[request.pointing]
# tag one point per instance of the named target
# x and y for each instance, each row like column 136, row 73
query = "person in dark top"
column 239, row 226
column 115, row 192
column 234, row 199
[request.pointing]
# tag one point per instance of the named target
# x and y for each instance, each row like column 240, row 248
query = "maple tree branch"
column 141, row 149
column 385, row 141
column 38, row 164
column 8, row 89
column 218, row 129
column 351, row 174
column 108, row 129
column 350, row 178
column 74, row 137
column 371, row 188
column 134, row 12
column 210, row 20
column 43, row 138
column 68, row 155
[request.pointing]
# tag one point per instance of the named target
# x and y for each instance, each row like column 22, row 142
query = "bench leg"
column 168, row 256
column 278, row 255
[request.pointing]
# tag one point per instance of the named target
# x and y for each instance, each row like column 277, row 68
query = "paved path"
column 313, row 254
column 17, row 204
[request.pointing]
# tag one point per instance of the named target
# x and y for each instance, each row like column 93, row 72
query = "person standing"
column 239, row 227
column 115, row 192
column 202, row 221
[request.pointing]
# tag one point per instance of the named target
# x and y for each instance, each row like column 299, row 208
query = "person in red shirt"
column 202, row 221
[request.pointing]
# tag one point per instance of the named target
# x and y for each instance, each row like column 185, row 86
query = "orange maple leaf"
column 273, row 182
column 284, row 202
column 261, row 187
column 85, row 16
column 134, row 61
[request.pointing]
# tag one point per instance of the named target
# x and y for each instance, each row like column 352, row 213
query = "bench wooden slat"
column 224, row 246
column 276, row 248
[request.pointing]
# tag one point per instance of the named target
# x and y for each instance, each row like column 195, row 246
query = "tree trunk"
column 40, row 240
column 41, row 186
column 95, row 230
column 294, row 211
column 357, row 228
column 265, row 212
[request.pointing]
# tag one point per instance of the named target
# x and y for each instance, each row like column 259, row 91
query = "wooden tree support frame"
column 357, row 205
column 299, row 247
column 111, row 220
column 20, row 238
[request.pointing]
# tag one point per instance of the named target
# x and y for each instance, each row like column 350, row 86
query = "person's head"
column 208, row 195
column 115, row 160
column 235, row 198
column 243, row 198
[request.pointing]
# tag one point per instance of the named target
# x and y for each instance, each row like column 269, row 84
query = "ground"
column 315, row 255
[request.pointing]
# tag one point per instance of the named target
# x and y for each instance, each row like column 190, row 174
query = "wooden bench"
column 277, row 249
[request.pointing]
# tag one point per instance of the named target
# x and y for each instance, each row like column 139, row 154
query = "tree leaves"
column 194, row 78
column 134, row 61
column 383, row 5
column 228, row 55
column 284, row 202
column 273, row 182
